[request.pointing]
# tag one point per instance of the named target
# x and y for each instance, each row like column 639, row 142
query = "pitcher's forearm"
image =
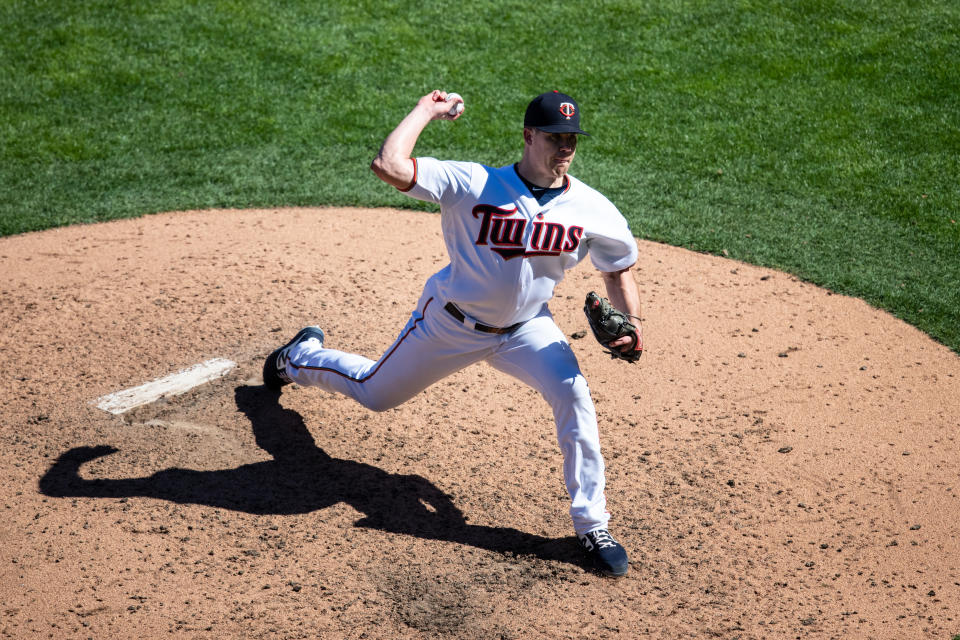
column 623, row 292
column 393, row 162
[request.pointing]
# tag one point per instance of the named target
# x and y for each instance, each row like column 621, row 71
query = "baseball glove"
column 609, row 323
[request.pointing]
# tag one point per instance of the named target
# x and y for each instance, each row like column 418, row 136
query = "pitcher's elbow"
column 377, row 167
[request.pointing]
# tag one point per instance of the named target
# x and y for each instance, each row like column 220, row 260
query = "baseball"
column 458, row 107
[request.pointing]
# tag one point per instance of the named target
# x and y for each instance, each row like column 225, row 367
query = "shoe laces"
column 603, row 539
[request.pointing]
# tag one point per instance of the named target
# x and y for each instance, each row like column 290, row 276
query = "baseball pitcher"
column 511, row 233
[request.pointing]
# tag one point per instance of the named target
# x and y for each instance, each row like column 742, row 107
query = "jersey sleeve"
column 440, row 181
column 612, row 246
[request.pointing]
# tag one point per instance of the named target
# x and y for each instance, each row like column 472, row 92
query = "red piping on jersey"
column 414, row 182
column 382, row 360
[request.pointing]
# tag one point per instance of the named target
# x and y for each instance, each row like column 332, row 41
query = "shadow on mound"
column 302, row 478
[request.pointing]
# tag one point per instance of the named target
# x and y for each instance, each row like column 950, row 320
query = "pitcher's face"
column 551, row 153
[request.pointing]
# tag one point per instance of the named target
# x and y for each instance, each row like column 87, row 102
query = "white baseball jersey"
column 507, row 252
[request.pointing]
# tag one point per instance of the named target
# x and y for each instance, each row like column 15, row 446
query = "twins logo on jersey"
column 505, row 233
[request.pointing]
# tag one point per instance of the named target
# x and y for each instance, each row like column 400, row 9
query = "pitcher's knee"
column 380, row 404
column 571, row 391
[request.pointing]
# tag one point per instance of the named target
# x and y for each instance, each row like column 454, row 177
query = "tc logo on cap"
column 567, row 109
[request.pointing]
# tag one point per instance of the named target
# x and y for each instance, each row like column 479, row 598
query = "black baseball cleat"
column 608, row 556
column 275, row 367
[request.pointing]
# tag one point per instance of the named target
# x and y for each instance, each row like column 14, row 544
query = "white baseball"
column 457, row 108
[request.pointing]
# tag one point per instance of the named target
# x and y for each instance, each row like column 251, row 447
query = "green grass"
column 821, row 137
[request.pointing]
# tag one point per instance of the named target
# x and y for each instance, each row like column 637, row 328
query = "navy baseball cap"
column 554, row 112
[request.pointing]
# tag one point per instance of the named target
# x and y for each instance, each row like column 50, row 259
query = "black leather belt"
column 456, row 313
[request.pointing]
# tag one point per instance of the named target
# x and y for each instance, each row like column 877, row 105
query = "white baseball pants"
column 434, row 345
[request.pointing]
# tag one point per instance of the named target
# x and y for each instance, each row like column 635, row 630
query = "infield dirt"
column 782, row 463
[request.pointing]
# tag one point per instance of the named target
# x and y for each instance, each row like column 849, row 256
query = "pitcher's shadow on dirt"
column 302, row 478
